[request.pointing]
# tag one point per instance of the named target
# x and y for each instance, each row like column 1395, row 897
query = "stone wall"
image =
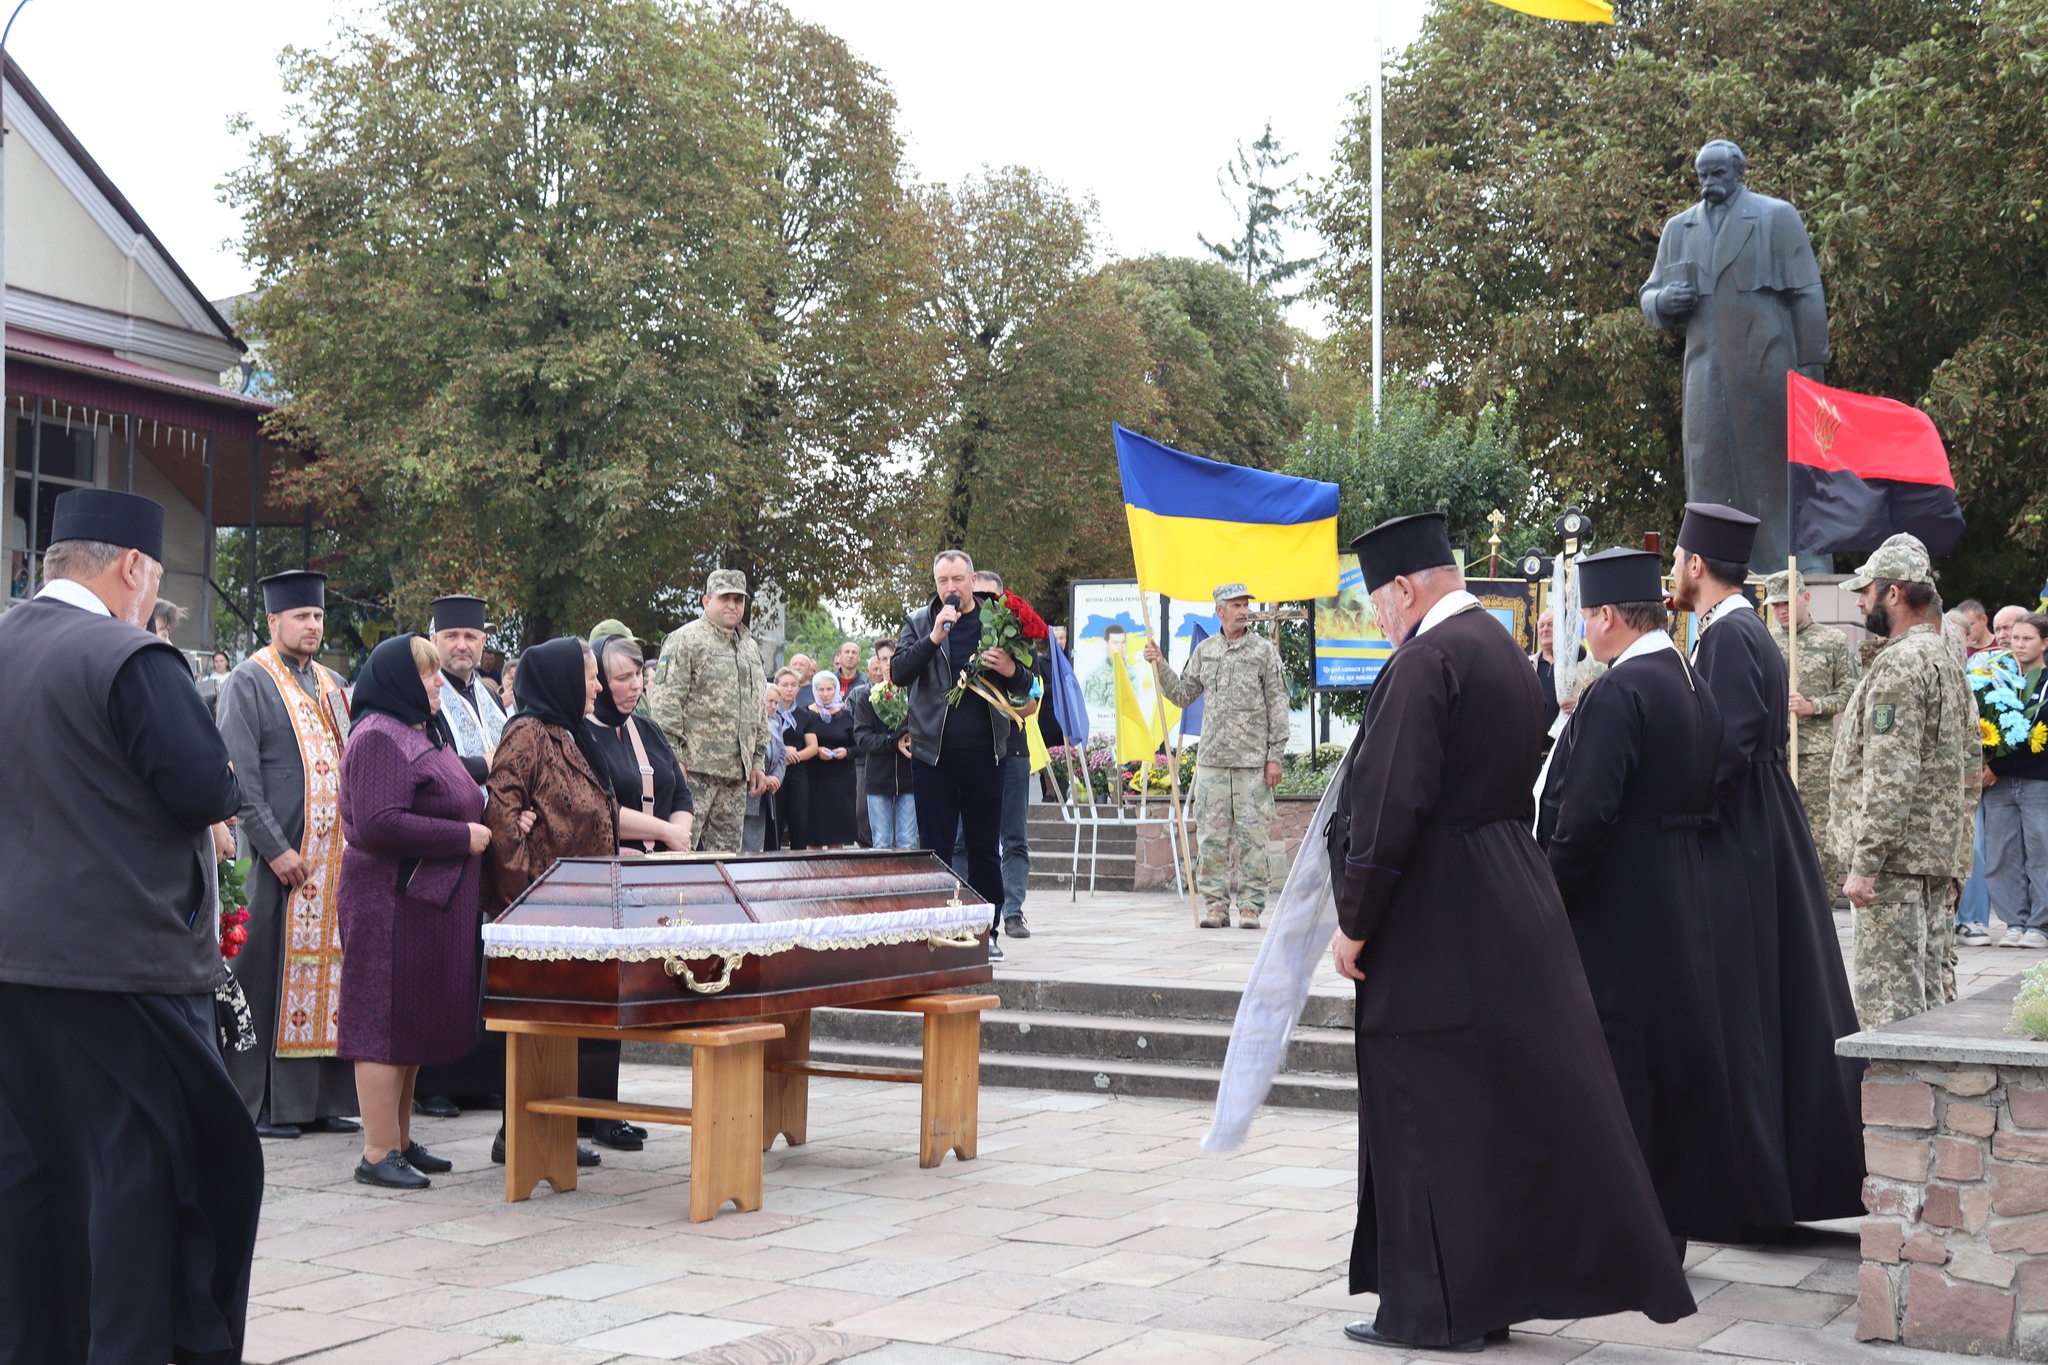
column 1955, row 1244
column 1291, row 816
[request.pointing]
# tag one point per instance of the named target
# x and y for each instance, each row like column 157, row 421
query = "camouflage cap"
column 610, row 626
column 1230, row 592
column 1780, row 586
column 1902, row 559
column 723, row 581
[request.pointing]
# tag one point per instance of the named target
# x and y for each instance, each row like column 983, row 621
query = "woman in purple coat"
column 408, row 902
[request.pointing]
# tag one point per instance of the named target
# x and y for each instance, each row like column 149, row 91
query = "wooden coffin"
column 684, row 939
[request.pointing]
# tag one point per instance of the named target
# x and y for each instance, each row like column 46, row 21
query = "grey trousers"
column 2016, row 851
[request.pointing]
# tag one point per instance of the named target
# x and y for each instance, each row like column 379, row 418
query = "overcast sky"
column 1137, row 103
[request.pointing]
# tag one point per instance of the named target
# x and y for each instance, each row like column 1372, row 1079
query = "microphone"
column 953, row 601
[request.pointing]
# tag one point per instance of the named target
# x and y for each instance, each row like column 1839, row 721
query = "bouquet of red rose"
column 234, row 907
column 891, row 703
column 1007, row 623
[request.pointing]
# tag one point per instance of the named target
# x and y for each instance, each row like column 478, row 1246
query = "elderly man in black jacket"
column 958, row 750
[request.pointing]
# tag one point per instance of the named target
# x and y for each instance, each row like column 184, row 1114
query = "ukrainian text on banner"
column 1350, row 651
column 1196, row 523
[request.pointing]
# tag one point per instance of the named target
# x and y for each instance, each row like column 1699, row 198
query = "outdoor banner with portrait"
column 1106, row 630
column 1349, row 650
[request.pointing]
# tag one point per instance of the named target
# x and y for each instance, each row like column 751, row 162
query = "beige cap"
column 723, row 581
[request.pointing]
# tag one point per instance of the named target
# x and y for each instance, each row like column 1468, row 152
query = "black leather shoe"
column 332, row 1125
column 1367, row 1333
column 1015, row 927
column 266, row 1129
column 420, row 1159
column 1496, row 1336
column 622, row 1137
column 995, row 951
column 393, row 1173
column 436, row 1107
column 586, row 1157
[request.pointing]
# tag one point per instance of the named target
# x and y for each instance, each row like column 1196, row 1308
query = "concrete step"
column 1026, row 1033
column 1109, row 1076
column 1211, row 1004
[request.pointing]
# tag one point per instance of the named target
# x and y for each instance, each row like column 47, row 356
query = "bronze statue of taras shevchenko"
column 1737, row 272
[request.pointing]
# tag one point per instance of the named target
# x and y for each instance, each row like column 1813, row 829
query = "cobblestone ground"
column 1090, row 1229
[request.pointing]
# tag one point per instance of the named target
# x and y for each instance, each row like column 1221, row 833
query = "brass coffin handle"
column 680, row 969
column 963, row 940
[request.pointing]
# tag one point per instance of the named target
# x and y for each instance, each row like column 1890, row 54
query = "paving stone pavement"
column 1090, row 1229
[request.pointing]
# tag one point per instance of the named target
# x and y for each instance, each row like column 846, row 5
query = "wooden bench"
column 724, row 1117
column 950, row 1074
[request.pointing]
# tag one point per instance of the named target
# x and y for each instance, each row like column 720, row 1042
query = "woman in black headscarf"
column 407, row 902
column 638, row 760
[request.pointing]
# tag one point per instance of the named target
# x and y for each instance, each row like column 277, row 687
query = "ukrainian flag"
column 1196, row 523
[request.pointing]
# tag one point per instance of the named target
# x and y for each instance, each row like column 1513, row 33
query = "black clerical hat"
column 1620, row 575
column 459, row 613
column 290, row 591
column 1717, row 532
column 1403, row 545
column 122, row 519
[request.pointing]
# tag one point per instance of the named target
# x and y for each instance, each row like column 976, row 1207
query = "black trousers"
column 130, row 1181
column 964, row 791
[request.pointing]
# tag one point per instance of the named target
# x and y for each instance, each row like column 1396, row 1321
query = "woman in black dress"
column 828, row 752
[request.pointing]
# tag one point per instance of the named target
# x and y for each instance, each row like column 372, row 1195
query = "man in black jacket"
column 957, row 778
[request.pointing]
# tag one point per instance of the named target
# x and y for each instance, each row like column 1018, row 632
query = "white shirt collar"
column 1646, row 644
column 74, row 593
column 1726, row 607
column 1447, row 606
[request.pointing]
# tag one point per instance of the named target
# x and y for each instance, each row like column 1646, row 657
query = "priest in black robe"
column 1499, row 1179
column 130, row 1174
column 1628, row 790
column 1778, row 962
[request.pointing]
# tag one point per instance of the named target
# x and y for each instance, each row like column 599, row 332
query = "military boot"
column 1215, row 916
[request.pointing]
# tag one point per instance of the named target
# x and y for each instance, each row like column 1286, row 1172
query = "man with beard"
column 1906, row 764
column 1627, row 792
column 1784, row 996
column 470, row 715
column 284, row 717
column 1499, row 1179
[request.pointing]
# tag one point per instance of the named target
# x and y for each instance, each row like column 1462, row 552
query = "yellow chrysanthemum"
column 2039, row 739
column 1989, row 732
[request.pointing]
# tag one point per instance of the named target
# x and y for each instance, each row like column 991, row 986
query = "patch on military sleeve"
column 1881, row 716
column 661, row 671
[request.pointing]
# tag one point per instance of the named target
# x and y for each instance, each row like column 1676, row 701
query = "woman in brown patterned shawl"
column 549, row 799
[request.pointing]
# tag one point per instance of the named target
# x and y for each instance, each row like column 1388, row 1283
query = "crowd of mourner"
column 382, row 820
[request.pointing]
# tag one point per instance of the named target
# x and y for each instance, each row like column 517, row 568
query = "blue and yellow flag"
column 1138, row 735
column 1196, row 523
column 1571, row 11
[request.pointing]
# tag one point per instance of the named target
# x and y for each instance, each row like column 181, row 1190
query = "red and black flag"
column 1863, row 470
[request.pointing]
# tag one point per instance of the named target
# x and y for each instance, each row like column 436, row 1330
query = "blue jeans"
column 1975, row 906
column 892, row 820
column 1016, row 838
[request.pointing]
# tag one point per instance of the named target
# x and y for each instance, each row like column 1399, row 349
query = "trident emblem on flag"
column 1827, row 424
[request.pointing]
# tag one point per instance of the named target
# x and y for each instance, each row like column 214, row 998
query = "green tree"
column 1041, row 357
column 846, row 369
column 1265, row 206
column 1220, row 358
column 1529, row 169
column 1937, row 255
column 507, row 257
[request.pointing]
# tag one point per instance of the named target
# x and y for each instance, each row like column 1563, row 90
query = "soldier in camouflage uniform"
column 1237, row 764
column 1906, row 763
column 706, row 696
column 1827, row 674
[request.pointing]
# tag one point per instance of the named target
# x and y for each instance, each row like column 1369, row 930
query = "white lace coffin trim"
column 952, row 925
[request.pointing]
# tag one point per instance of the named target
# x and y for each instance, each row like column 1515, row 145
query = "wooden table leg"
column 538, row 1146
column 725, row 1128
column 952, row 1087
column 786, row 1098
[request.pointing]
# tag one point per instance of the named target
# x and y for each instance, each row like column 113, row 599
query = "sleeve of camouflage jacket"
column 665, row 694
column 756, row 686
column 1275, row 679
column 1842, row 675
column 1889, row 796
column 1182, row 688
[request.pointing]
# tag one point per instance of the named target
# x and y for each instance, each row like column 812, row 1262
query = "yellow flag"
column 1571, row 11
column 1137, row 730
column 1034, row 742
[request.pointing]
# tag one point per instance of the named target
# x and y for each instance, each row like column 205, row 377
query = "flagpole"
column 1792, row 586
column 1176, row 830
column 1379, row 80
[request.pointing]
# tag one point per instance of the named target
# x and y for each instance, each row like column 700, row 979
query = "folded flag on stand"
column 1196, row 522
column 1191, row 719
column 1138, row 735
column 1069, row 704
column 1863, row 470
